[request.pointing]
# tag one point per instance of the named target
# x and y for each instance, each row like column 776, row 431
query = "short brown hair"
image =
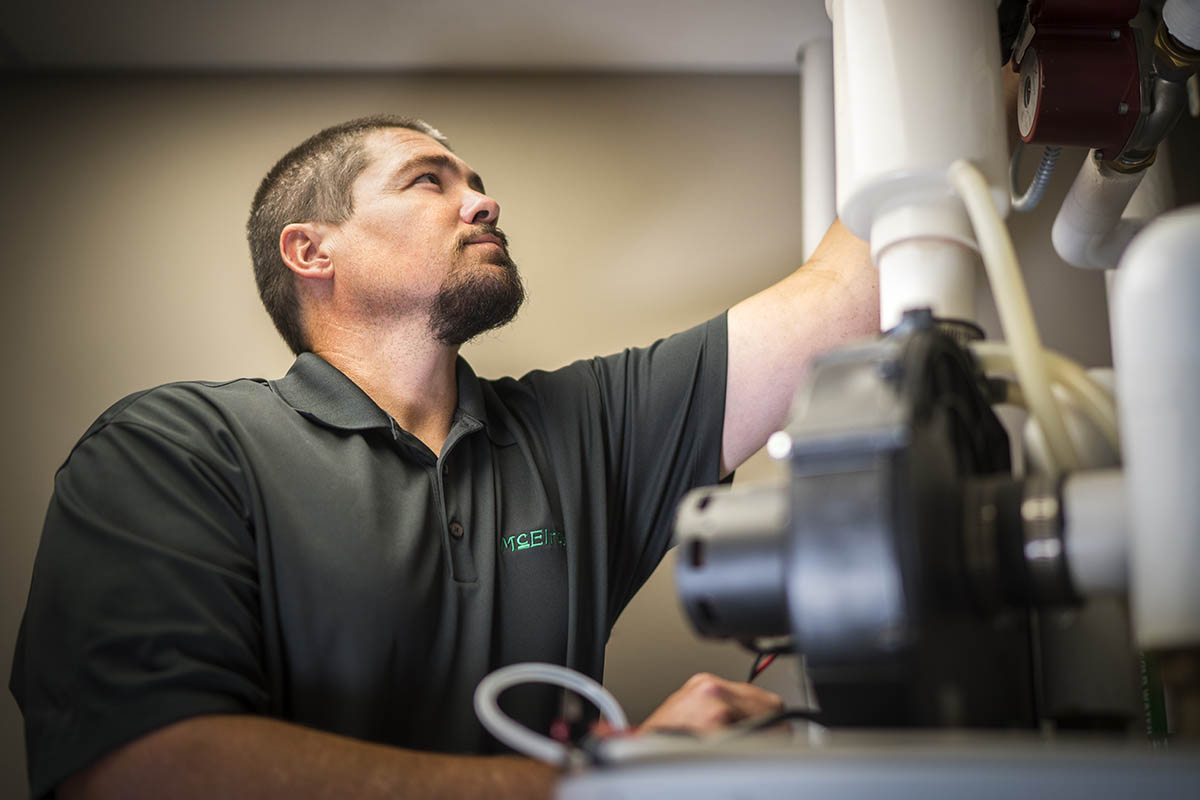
column 312, row 183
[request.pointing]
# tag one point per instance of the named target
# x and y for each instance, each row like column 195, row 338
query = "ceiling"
column 387, row 35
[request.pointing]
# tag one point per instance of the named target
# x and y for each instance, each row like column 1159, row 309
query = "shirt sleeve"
column 660, row 411
column 144, row 605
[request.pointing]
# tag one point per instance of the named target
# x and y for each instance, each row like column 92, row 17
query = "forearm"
column 832, row 299
column 248, row 756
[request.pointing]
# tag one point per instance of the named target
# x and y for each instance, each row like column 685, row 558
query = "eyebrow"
column 442, row 162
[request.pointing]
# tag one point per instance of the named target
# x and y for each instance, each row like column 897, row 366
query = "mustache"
column 482, row 230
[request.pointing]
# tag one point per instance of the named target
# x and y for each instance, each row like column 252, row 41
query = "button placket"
column 456, row 507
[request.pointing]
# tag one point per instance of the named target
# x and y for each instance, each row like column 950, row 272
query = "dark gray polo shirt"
column 284, row 548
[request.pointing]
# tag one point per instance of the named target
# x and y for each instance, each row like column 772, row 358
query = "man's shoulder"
column 184, row 410
column 533, row 391
column 182, row 398
column 630, row 366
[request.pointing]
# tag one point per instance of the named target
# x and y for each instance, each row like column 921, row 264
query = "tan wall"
column 636, row 206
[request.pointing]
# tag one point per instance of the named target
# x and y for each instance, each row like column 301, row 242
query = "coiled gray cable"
column 1029, row 199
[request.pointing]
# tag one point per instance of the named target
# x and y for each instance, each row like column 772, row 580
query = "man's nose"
column 478, row 207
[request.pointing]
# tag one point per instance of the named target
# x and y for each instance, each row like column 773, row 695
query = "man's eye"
column 429, row 177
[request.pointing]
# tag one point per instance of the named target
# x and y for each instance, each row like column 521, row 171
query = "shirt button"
column 456, row 529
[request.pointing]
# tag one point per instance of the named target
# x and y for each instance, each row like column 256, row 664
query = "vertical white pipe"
column 1157, row 356
column 917, row 86
column 817, row 142
column 903, row 116
column 927, row 258
column 926, row 273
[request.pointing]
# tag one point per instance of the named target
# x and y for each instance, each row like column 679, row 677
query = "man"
column 290, row 588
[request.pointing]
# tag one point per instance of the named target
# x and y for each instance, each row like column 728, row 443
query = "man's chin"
column 484, row 301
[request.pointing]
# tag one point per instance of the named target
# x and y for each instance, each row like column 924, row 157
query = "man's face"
column 423, row 238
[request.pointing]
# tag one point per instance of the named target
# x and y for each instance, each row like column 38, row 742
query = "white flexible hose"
column 516, row 735
column 1093, row 399
column 1016, row 315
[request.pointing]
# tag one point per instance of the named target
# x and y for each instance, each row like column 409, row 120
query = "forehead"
column 391, row 148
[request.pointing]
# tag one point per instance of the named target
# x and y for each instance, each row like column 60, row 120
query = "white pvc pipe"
column 819, row 206
column 917, row 85
column 902, row 117
column 1096, row 531
column 927, row 258
column 1089, row 231
column 926, row 273
column 1156, row 353
column 1154, row 196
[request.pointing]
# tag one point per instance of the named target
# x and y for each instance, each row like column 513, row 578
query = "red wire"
column 765, row 663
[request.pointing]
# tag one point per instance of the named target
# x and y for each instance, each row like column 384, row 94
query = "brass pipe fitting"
column 1173, row 56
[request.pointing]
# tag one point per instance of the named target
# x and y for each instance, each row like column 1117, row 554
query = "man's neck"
column 407, row 374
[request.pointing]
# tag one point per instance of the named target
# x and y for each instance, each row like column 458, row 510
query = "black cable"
column 754, row 667
column 776, row 717
column 763, row 661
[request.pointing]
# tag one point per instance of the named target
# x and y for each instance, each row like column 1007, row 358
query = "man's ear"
column 304, row 249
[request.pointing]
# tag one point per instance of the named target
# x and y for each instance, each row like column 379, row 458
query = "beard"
column 475, row 299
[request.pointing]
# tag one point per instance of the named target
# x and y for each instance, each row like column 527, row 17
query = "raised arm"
column 832, row 299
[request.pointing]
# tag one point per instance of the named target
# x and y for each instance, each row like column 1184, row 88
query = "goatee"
column 475, row 299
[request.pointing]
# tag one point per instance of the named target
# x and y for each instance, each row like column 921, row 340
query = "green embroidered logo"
column 526, row 541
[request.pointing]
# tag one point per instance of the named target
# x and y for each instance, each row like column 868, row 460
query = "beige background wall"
column 636, row 206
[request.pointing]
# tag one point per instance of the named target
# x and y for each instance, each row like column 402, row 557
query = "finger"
column 737, row 693
column 731, row 701
column 751, row 700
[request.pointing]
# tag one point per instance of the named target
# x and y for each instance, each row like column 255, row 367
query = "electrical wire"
column 516, row 735
column 1029, row 199
column 774, row 718
column 1016, row 315
column 760, row 664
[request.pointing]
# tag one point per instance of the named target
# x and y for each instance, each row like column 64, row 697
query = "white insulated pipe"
column 1156, row 352
column 1154, row 196
column 1089, row 231
column 819, row 207
column 917, row 86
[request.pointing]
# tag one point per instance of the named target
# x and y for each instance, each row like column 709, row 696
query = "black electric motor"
column 897, row 558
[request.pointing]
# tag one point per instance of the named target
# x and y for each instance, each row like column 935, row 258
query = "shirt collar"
column 321, row 392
